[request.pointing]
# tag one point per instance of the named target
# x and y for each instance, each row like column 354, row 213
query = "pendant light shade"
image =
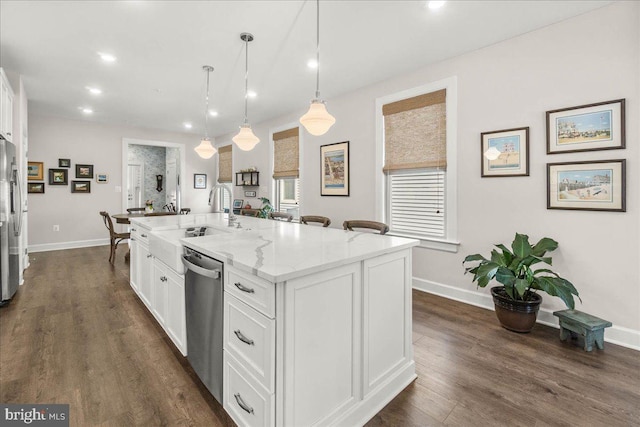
column 492, row 153
column 246, row 139
column 317, row 120
column 205, row 149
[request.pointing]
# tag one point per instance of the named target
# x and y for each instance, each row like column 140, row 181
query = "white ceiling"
column 161, row 46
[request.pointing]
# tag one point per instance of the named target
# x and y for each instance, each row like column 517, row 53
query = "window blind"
column 417, row 202
column 415, row 132
column 286, row 154
column 225, row 164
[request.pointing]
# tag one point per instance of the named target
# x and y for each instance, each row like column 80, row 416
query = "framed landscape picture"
column 199, row 180
column 35, row 171
column 84, row 171
column 505, row 153
column 590, row 185
column 599, row 126
column 334, row 169
column 64, row 163
column 102, row 178
column 58, row 177
column 35, row 187
column 81, row 186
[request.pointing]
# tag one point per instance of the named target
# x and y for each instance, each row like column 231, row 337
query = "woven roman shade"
column 225, row 164
column 286, row 154
column 415, row 132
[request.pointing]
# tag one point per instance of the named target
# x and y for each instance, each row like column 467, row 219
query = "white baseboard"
column 45, row 247
column 616, row 334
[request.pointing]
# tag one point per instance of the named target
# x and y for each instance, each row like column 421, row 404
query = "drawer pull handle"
column 149, row 255
column 244, row 288
column 243, row 405
column 242, row 338
column 133, row 229
column 143, row 235
column 163, row 278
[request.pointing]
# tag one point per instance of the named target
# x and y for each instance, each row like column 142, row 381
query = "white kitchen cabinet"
column 141, row 270
column 176, row 325
column 159, row 292
column 6, row 107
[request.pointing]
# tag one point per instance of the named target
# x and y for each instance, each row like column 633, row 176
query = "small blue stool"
column 574, row 323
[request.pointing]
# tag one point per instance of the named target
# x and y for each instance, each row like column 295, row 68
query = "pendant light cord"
column 206, row 109
column 246, row 78
column 318, row 49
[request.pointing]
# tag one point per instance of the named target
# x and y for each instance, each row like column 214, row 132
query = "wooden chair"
column 115, row 238
column 185, row 211
column 306, row 219
column 281, row 216
column 250, row 212
column 135, row 210
column 372, row 225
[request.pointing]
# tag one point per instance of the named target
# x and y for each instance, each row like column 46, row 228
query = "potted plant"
column 517, row 300
column 266, row 207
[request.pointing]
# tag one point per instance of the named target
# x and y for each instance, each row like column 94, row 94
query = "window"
column 225, row 163
column 417, row 185
column 286, row 171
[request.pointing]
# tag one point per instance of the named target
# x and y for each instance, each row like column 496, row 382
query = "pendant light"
column 317, row 121
column 245, row 139
column 205, row 149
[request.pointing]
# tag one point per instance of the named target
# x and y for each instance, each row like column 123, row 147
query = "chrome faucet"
column 212, row 196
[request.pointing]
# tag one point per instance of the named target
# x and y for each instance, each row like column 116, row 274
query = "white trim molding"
column 46, row 247
column 619, row 335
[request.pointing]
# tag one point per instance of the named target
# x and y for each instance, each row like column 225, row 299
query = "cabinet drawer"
column 140, row 234
column 252, row 290
column 246, row 401
column 250, row 337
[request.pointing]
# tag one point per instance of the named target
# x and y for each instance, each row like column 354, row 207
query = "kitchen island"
column 317, row 321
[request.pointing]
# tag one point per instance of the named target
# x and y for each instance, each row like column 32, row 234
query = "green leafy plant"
column 266, row 207
column 512, row 268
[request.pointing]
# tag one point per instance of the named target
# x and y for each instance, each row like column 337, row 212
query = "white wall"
column 591, row 58
column 52, row 138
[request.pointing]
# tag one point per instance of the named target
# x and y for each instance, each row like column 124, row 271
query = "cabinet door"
column 159, row 292
column 176, row 319
column 322, row 321
column 134, row 266
column 145, row 274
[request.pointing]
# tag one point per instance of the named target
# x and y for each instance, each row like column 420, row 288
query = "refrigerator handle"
column 18, row 207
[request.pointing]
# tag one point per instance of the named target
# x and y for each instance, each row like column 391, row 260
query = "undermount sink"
column 165, row 245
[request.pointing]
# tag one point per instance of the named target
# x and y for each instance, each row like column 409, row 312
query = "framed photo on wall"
column 84, row 171
column 64, row 163
column 599, row 126
column 102, row 178
column 199, row 180
column 35, row 171
column 58, row 177
column 590, row 185
column 334, row 169
column 81, row 186
column 505, row 153
column 35, row 187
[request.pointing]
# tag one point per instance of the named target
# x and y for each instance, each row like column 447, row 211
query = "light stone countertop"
column 278, row 251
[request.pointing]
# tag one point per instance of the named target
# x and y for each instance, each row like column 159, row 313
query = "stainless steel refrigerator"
column 10, row 221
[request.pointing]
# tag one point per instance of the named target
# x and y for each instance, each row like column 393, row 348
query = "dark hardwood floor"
column 76, row 333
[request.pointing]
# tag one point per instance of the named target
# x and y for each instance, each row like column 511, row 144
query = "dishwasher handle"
column 214, row 274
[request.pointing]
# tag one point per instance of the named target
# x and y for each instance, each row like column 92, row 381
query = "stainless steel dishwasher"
column 204, row 311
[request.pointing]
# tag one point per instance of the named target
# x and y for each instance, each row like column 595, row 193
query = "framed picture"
column 81, row 186
column 102, row 178
column 590, row 127
column 84, row 171
column 590, row 185
column 249, row 194
column 58, row 177
column 505, row 153
column 334, row 167
column 199, row 180
column 35, row 187
column 237, row 203
column 64, row 163
column 35, row 171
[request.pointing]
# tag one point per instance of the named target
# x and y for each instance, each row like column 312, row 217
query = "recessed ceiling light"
column 435, row 4
column 213, row 113
column 94, row 90
column 251, row 94
column 87, row 110
column 312, row 63
column 107, row 57
column 187, row 125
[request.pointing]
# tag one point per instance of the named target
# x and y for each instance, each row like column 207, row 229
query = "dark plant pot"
column 517, row 316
